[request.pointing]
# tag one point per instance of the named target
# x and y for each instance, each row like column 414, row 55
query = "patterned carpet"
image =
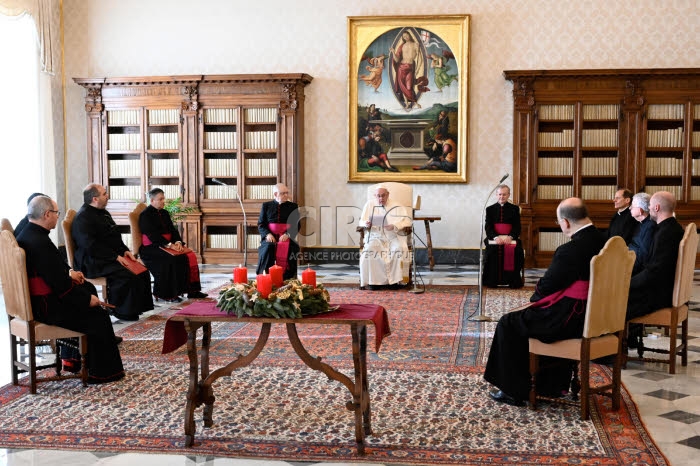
column 429, row 403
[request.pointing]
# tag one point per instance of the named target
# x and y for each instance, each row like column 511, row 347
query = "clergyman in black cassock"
column 623, row 224
column 98, row 251
column 173, row 275
column 503, row 263
column 652, row 288
column 278, row 222
column 65, row 302
column 508, row 363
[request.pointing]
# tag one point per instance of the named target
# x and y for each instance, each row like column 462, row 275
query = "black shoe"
column 118, row 339
column 375, row 287
column 397, row 286
column 197, row 295
column 501, row 397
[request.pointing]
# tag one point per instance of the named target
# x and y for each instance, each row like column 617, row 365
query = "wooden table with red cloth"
column 182, row 328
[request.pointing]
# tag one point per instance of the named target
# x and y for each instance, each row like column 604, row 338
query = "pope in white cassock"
column 384, row 259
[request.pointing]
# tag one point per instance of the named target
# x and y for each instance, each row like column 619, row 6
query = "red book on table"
column 134, row 267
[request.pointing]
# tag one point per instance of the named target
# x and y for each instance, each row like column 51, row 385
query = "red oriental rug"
column 429, row 403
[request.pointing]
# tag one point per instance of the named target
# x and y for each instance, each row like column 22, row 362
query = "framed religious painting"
column 408, row 98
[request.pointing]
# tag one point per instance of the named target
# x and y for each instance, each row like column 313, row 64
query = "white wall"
column 161, row 37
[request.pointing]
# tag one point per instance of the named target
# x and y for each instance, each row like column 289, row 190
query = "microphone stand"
column 245, row 220
column 480, row 317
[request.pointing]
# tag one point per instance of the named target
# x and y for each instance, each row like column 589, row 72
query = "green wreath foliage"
column 292, row 300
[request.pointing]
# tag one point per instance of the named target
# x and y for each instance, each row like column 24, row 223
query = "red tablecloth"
column 175, row 334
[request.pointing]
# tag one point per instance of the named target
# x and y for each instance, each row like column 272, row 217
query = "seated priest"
column 384, row 259
column 556, row 312
column 278, row 225
column 174, row 267
column 504, row 256
column 100, row 252
column 61, row 296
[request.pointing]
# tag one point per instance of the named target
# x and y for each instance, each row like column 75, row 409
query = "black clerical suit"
column 97, row 245
column 68, row 304
column 274, row 212
column 493, row 273
column 652, row 288
column 624, row 225
column 171, row 273
column 508, row 364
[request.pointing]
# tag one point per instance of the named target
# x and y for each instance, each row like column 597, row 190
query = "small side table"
column 427, row 220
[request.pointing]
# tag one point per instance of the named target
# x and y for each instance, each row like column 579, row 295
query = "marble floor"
column 669, row 404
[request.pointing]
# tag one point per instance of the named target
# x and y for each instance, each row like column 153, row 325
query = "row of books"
column 599, row 138
column 261, row 115
column 601, row 112
column 696, row 139
column 215, row 191
column 126, row 239
column 126, row 193
column 171, row 191
column 554, row 191
column 222, row 241
column 555, row 166
column 122, row 117
column 259, row 192
column 696, row 167
column 230, row 241
column 676, row 190
column 163, row 141
column 261, row 167
column 695, row 193
column 666, row 112
column 672, row 137
column 220, row 116
column 696, row 112
column 551, row 240
column 169, row 116
column 261, row 140
column 127, row 141
column 598, row 192
column 564, row 138
column 599, row 166
column 220, row 167
column 165, row 167
column 220, row 140
column 556, row 112
column 665, row 166
column 124, row 168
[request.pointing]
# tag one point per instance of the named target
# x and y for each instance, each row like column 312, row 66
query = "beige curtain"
column 46, row 15
column 43, row 12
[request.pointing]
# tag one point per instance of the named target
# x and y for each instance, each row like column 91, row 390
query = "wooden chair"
column 603, row 329
column 670, row 317
column 23, row 328
column 401, row 194
column 135, row 229
column 67, row 225
column 6, row 225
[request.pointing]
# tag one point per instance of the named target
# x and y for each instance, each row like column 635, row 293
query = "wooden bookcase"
column 185, row 133
column 588, row 133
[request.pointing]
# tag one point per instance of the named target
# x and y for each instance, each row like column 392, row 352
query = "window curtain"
column 42, row 11
column 47, row 18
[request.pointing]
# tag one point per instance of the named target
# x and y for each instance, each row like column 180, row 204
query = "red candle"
column 264, row 285
column 276, row 273
column 308, row 277
column 240, row 274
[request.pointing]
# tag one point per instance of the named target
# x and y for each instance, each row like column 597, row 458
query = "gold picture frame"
column 408, row 87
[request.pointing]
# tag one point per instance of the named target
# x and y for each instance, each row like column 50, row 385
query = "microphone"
column 245, row 220
column 503, row 179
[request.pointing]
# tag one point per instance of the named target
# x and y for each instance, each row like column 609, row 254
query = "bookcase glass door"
column 260, row 152
column 163, row 151
column 220, row 143
column 125, row 155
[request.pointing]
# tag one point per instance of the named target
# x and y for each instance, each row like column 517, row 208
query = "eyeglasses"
column 282, row 193
column 57, row 212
